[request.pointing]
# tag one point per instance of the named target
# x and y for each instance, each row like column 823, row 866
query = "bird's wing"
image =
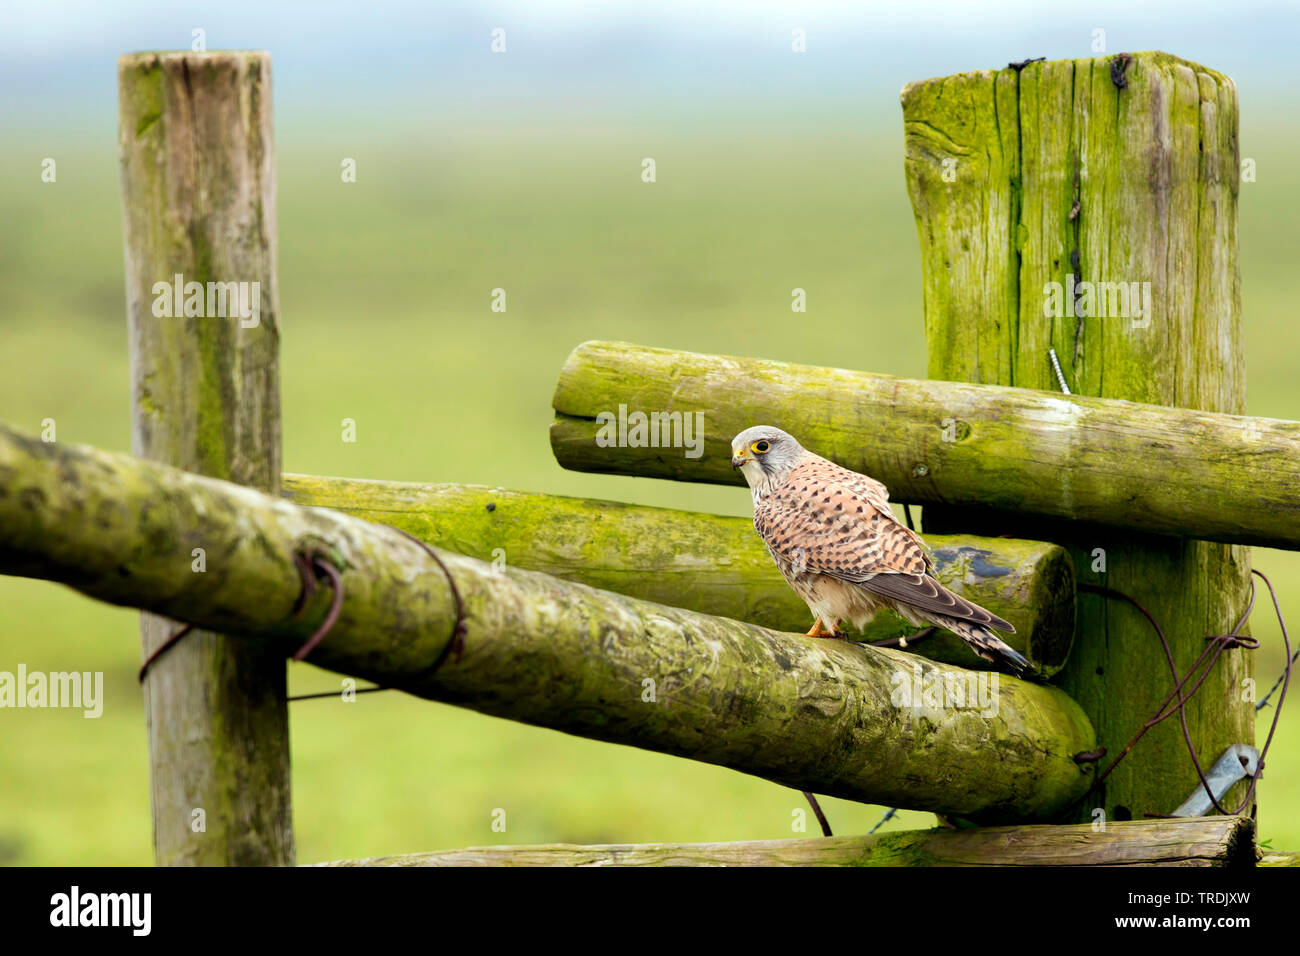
column 829, row 520
column 834, row 521
column 925, row 592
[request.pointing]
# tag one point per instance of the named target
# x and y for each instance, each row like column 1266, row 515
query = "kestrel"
column 836, row 541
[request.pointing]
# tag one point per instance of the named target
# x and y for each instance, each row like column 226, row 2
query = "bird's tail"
column 989, row 646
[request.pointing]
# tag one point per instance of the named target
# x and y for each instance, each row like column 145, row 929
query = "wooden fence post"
column 198, row 198
column 1031, row 188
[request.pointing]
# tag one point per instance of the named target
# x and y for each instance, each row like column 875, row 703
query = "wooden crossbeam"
column 709, row 563
column 859, row 722
column 1200, row 841
column 1175, row 471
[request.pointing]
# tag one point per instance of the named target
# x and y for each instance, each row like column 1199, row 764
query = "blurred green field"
column 385, row 294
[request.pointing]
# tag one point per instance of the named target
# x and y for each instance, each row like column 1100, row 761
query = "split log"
column 702, row 562
column 847, row 720
column 1200, row 841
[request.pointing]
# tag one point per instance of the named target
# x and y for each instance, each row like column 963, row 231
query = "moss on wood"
column 1121, row 183
column 826, row 716
column 197, row 175
column 1173, row 471
column 1200, row 842
column 703, row 562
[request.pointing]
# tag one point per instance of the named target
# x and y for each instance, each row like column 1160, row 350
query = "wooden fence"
column 1079, row 173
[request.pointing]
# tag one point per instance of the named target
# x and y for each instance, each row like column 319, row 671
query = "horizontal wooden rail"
column 1148, row 467
column 826, row 716
column 702, row 562
column 1279, row 858
column 1200, row 841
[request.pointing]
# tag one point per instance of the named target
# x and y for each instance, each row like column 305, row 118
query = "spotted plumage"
column 836, row 541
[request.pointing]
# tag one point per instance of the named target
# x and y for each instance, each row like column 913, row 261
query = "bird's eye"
column 760, row 446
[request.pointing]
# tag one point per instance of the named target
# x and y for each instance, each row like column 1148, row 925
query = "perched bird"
column 835, row 540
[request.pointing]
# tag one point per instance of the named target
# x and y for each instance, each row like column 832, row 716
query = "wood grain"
column 813, row 714
column 1177, row 472
column 198, row 199
column 1061, row 171
column 1199, row 842
column 703, row 562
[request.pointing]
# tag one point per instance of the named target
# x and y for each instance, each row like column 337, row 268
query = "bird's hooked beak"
column 738, row 459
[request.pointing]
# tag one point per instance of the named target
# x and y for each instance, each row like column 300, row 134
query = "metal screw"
column 1057, row 365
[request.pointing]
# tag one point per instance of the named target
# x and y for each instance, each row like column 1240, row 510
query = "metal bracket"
column 1237, row 763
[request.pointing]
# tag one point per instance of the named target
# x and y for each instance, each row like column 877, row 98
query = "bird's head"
column 765, row 455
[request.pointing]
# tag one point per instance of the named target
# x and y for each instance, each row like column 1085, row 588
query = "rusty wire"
column 336, row 602
column 457, row 642
column 817, row 809
column 161, row 649
column 1216, row 644
column 309, row 566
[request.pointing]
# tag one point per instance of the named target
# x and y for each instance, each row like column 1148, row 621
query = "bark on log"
column 1103, row 171
column 702, row 562
column 818, row 715
column 198, row 201
column 1200, row 841
column 1173, row 471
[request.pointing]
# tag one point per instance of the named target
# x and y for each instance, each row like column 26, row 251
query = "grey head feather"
column 767, row 468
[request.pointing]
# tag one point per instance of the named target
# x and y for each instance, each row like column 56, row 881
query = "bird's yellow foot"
column 819, row 630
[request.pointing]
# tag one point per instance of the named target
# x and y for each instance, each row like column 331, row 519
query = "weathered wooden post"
column 198, row 198
column 1036, row 192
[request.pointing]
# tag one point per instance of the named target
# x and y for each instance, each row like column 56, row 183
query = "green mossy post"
column 864, row 723
column 1111, row 170
column 198, row 200
column 702, row 562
